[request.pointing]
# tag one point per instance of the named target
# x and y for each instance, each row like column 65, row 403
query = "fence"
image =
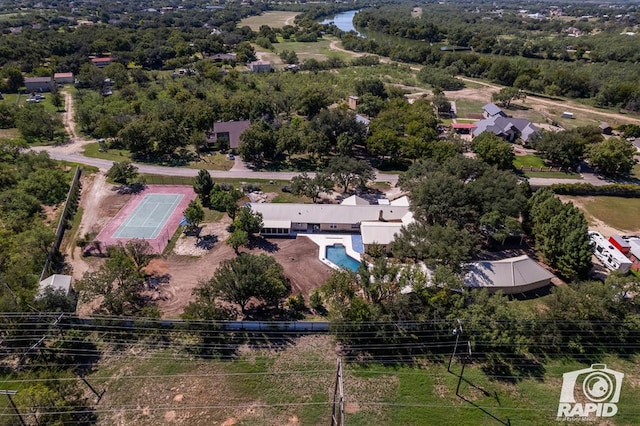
column 69, row 209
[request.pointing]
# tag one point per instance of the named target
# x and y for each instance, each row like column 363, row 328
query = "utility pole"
column 456, row 332
column 9, row 393
column 337, row 415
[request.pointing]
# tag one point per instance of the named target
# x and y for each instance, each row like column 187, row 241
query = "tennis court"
column 149, row 217
column 153, row 215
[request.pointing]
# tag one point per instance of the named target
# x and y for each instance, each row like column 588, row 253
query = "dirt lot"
column 298, row 257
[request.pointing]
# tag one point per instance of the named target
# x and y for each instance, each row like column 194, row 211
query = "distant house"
column 101, row 62
column 605, row 128
column 492, row 110
column 56, row 282
column 353, row 102
column 64, row 78
column 511, row 276
column 363, row 120
column 223, row 57
column 259, row 66
column 507, row 127
column 226, row 134
column 38, row 84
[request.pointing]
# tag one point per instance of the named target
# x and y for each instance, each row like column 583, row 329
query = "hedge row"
column 616, row 189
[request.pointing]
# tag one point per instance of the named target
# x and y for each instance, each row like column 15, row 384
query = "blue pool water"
column 337, row 254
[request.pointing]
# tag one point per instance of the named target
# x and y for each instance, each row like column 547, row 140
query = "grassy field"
column 293, row 384
column 530, row 160
column 621, row 213
column 552, row 175
column 213, row 161
column 9, row 133
column 274, row 19
column 467, row 106
column 319, row 50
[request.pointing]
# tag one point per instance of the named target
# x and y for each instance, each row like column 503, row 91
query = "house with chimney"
column 378, row 223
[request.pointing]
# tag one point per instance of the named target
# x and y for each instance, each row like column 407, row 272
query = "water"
column 343, row 20
column 337, row 254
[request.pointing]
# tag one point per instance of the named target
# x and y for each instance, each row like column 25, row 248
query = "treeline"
column 607, row 73
column 29, row 182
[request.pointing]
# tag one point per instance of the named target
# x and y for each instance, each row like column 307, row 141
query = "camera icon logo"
column 590, row 392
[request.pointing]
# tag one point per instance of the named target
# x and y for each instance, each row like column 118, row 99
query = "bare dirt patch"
column 298, row 257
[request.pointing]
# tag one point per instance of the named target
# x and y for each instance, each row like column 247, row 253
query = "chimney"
column 380, row 216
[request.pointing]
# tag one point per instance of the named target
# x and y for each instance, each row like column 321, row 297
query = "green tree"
column 349, row 172
column 50, row 186
column 238, row 238
column 123, row 173
column 14, row 78
column 493, row 150
column 248, row 220
column 373, row 86
column 506, row 95
column 435, row 244
column 564, row 149
column 613, row 157
column 202, row 185
column 139, row 252
column 244, row 278
column 311, row 187
column 194, row 214
column 117, row 285
column 560, row 232
column 34, row 122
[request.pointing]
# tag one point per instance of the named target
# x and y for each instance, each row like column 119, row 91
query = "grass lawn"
column 274, row 19
column 552, row 175
column 636, row 171
column 621, row 213
column 530, row 160
column 296, row 381
column 467, row 106
column 213, row 161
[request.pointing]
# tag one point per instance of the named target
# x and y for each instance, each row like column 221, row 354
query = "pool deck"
column 324, row 240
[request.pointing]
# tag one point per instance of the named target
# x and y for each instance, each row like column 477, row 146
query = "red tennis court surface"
column 149, row 216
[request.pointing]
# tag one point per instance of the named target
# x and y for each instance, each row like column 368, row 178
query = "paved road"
column 104, row 165
column 72, row 152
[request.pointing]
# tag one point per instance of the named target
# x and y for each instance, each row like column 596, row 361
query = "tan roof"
column 354, row 200
column 379, row 232
column 37, row 79
column 328, row 213
column 513, row 272
column 63, row 75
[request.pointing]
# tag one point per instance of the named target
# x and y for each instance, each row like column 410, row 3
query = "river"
column 343, row 20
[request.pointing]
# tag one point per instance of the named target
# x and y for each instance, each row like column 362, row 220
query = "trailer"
column 610, row 257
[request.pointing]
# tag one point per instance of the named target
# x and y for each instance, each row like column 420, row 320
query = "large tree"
column 123, row 173
column 311, row 186
column 493, row 150
column 349, row 172
column 194, row 214
column 560, row 232
column 117, row 284
column 613, row 157
column 245, row 278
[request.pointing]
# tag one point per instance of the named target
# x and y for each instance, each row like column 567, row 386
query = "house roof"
column 328, row 213
column 63, row 75
column 362, row 119
column 102, row 59
column 57, row 282
column 605, row 125
column 224, row 56
column 354, row 200
column 499, row 125
column 463, row 125
column 402, row 201
column 379, row 232
column 511, row 273
column 234, row 128
column 492, row 109
column 620, row 241
column 37, row 80
column 635, row 246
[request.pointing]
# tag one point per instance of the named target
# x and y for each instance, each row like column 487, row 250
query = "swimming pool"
column 337, row 255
